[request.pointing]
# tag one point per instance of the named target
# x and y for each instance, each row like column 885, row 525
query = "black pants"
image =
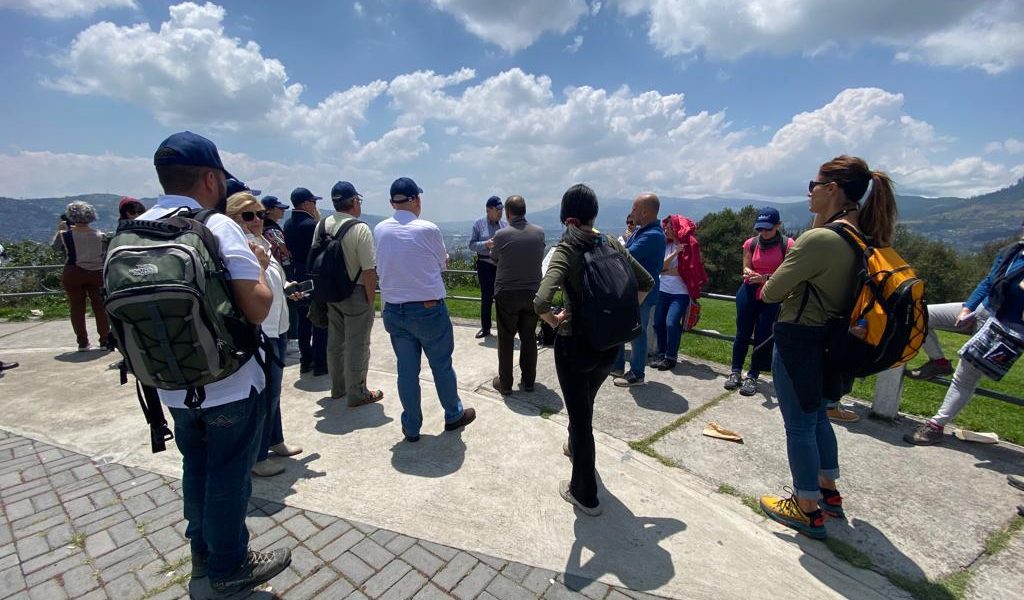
column 486, row 272
column 581, row 370
column 516, row 315
column 314, row 353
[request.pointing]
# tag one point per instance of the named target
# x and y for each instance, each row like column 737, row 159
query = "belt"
column 423, row 303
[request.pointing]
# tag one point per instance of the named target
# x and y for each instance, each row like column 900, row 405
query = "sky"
column 472, row 98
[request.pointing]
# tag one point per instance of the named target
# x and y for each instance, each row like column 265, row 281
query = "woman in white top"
column 247, row 211
column 673, row 303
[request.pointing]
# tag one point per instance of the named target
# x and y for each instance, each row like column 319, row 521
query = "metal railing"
column 943, row 381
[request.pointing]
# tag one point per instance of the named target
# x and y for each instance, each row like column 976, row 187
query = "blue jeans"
column 273, row 433
column 638, row 347
column 414, row 329
column 753, row 317
column 810, row 440
column 218, row 447
column 668, row 323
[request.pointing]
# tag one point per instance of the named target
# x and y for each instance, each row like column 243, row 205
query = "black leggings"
column 581, row 370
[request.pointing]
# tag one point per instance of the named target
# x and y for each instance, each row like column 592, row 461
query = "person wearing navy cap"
column 410, row 259
column 219, row 440
column 235, row 186
column 298, row 236
column 272, row 231
column 486, row 271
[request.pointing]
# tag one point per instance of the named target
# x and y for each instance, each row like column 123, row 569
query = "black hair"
column 180, row 179
column 579, row 202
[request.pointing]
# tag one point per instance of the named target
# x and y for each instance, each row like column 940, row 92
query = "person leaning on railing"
column 83, row 249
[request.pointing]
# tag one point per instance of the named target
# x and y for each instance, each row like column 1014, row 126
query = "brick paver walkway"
column 75, row 528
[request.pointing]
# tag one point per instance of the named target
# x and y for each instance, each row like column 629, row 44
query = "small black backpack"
column 326, row 264
column 606, row 309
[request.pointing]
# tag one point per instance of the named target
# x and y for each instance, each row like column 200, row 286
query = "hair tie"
column 867, row 192
column 572, row 221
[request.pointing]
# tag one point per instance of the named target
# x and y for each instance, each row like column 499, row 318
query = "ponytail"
column 878, row 212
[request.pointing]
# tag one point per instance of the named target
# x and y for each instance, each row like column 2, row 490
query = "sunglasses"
column 249, row 215
column 813, row 184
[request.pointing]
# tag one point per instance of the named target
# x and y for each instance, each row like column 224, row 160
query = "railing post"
column 888, row 391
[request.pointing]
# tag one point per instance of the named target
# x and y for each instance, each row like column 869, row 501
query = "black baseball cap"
column 404, row 189
column 344, row 190
column 189, row 149
column 271, row 202
column 494, row 202
column 301, row 194
column 235, row 186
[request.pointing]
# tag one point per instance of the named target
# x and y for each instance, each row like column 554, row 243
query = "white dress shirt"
column 410, row 259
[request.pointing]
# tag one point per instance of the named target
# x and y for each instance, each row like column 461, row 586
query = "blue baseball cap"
column 767, row 218
column 344, row 190
column 235, row 186
column 494, row 202
column 404, row 189
column 301, row 194
column 271, row 202
column 189, row 149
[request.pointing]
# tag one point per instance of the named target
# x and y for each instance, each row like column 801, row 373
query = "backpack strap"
column 69, row 246
column 159, row 432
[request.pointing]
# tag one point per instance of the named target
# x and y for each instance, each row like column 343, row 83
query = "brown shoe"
column 373, row 396
column 496, row 384
column 842, row 415
column 931, row 369
column 468, row 416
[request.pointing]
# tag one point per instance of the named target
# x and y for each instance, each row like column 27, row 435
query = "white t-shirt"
column 671, row 282
column 410, row 259
column 276, row 322
column 241, row 263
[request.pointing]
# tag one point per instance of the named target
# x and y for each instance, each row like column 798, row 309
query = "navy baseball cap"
column 767, row 218
column 189, row 149
column 271, row 202
column 235, row 186
column 301, row 194
column 344, row 190
column 494, row 202
column 403, row 190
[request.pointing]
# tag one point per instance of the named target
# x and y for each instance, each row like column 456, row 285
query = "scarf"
column 764, row 244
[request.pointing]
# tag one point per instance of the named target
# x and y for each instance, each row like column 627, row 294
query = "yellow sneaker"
column 788, row 512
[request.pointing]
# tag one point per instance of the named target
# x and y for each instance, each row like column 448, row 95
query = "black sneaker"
column 629, row 380
column 468, row 416
column 665, row 364
column 305, row 367
column 925, row 435
column 259, row 567
column 733, row 381
column 200, row 565
column 749, row 387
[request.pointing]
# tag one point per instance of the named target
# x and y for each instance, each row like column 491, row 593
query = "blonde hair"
column 237, row 204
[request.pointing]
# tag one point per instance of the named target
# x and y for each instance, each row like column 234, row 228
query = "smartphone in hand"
column 304, row 287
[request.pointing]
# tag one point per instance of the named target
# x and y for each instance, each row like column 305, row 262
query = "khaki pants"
column 348, row 344
column 82, row 285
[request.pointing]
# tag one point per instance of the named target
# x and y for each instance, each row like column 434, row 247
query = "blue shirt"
column 483, row 230
column 647, row 246
column 1012, row 309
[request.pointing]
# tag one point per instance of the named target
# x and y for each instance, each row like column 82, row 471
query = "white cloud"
column 1009, row 146
column 595, row 7
column 65, row 9
column 358, row 7
column 984, row 34
column 514, row 25
column 574, row 47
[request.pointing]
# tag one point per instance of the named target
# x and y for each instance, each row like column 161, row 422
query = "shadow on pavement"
column 335, row 417
column 542, row 397
column 700, row 371
column 309, row 383
column 83, row 356
column 655, row 395
column 622, row 544
column 433, row 456
column 279, row 487
column 200, row 589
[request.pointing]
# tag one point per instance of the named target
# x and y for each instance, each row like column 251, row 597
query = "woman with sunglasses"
column 247, row 211
column 815, row 283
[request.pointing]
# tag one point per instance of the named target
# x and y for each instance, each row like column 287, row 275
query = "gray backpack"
column 172, row 312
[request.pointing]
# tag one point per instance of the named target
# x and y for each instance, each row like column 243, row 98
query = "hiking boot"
column 284, row 449
column 200, row 565
column 787, row 512
column 732, row 382
column 412, row 439
column 629, row 380
column 665, row 364
column 266, row 468
column 925, row 435
column 258, row 567
column 831, row 503
column 1016, row 481
column 749, row 387
column 370, row 397
column 496, row 384
column 616, row 373
column 931, row 369
column 563, row 491
column 838, row 414
column 468, row 416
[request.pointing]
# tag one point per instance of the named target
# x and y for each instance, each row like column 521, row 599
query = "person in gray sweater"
column 518, row 251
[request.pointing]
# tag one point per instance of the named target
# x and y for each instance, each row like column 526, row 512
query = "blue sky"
column 481, row 97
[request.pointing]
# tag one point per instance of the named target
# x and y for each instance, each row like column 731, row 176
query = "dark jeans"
column 486, row 272
column 516, row 315
column 218, row 447
column 581, row 370
column 314, row 353
column 273, row 432
column 753, row 317
column 668, row 323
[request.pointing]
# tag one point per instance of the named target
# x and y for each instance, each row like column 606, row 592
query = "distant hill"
column 968, row 223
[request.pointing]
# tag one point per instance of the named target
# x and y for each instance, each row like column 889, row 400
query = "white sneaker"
column 284, row 449
column 266, row 468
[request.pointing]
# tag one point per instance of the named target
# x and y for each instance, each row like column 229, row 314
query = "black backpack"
column 606, row 310
column 326, row 264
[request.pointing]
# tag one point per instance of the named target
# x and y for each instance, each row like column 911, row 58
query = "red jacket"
column 691, row 265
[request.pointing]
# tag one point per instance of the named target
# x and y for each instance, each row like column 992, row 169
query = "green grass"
column 1000, row 540
column 849, row 553
column 951, row 587
column 749, row 501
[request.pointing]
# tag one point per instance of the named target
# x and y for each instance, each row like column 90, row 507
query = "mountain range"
column 966, row 223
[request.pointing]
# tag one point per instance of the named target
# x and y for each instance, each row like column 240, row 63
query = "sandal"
column 373, row 396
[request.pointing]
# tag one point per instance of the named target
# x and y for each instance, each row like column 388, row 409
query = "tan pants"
column 79, row 285
column 348, row 344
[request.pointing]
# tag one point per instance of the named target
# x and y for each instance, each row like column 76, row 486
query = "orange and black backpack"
column 889, row 319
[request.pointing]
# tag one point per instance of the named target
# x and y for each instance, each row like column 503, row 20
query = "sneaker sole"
column 748, row 394
column 563, row 491
column 241, row 587
column 810, row 532
column 831, row 511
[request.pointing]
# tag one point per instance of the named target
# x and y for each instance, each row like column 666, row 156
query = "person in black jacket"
column 298, row 236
